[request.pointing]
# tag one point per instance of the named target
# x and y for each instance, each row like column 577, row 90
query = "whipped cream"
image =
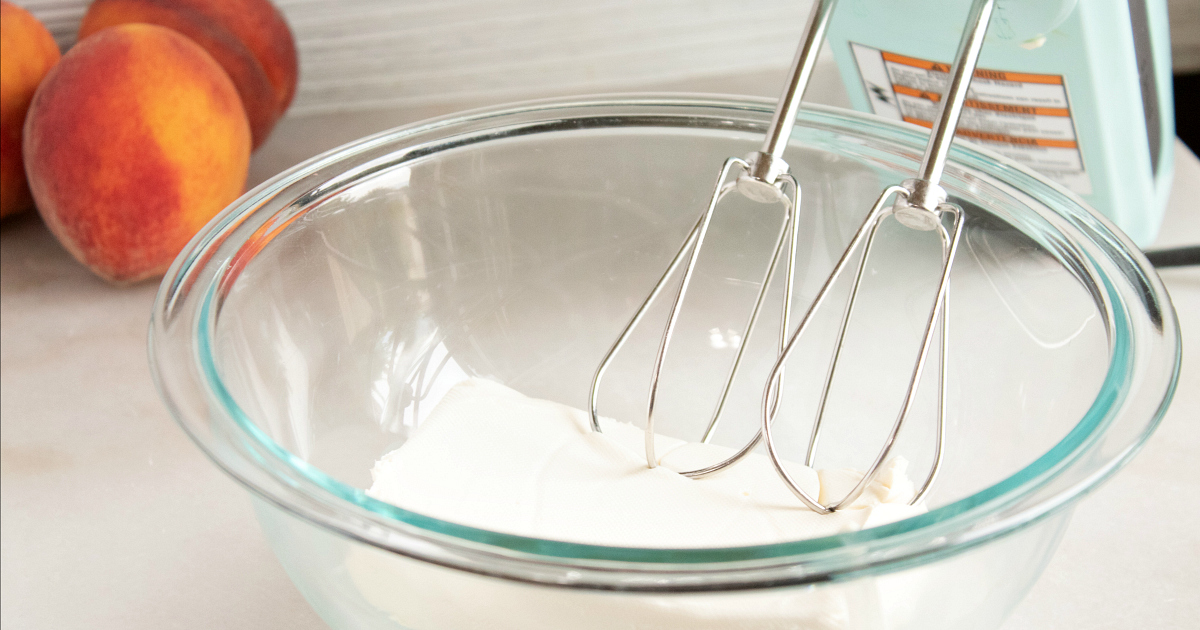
column 493, row 458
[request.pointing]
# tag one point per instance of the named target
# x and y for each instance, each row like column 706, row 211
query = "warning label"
column 1023, row 116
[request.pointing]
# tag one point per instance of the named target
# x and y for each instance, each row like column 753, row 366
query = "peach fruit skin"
column 249, row 38
column 133, row 142
column 27, row 52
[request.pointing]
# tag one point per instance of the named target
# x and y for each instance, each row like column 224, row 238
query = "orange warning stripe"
column 915, row 93
column 914, row 62
column 1019, row 109
column 1019, row 77
column 996, row 107
column 1000, row 137
column 917, row 121
column 996, row 75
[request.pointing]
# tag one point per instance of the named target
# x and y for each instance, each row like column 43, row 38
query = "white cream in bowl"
column 493, row 458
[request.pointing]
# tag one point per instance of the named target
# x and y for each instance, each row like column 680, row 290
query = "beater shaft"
column 925, row 192
column 942, row 134
column 767, row 164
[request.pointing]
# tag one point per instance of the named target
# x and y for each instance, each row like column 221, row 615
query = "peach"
column 27, row 52
column 249, row 38
column 133, row 142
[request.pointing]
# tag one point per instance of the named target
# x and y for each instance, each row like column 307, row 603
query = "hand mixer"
column 919, row 204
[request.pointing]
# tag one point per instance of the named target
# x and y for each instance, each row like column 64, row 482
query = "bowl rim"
column 291, row 484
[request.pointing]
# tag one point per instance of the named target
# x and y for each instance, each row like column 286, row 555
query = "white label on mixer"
column 1023, row 116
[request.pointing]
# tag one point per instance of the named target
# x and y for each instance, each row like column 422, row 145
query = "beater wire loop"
column 690, row 251
column 863, row 239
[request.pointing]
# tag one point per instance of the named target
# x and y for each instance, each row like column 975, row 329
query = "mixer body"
column 1078, row 91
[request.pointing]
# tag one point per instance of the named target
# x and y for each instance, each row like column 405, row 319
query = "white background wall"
column 359, row 54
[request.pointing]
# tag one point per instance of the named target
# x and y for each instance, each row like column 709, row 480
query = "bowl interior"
column 519, row 254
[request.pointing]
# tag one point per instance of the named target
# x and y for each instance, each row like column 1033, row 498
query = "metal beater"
column 766, row 178
column 920, row 204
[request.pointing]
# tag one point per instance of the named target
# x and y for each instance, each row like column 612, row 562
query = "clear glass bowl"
column 310, row 327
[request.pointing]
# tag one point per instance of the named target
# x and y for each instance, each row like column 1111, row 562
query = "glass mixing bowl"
column 309, row 329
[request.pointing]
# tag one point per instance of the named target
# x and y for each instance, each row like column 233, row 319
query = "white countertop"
column 111, row 519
